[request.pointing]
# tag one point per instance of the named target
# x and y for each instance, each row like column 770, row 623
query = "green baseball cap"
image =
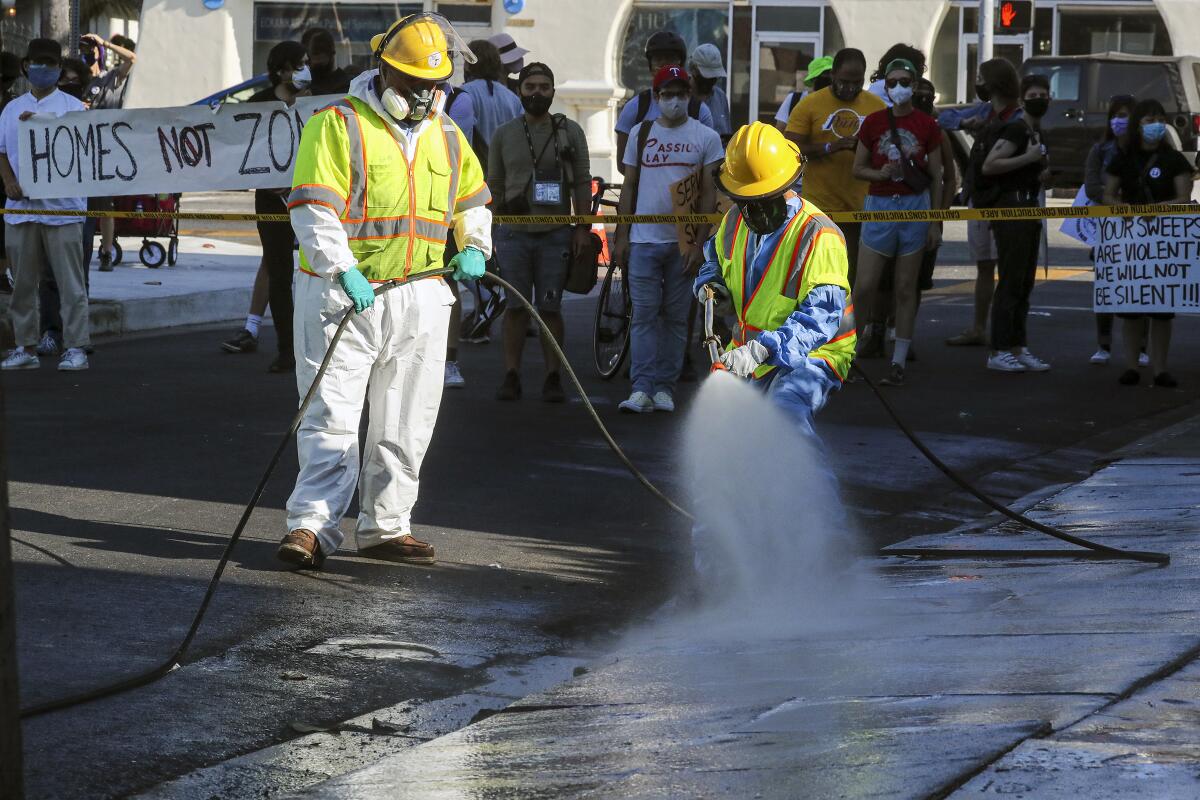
column 901, row 63
column 818, row 67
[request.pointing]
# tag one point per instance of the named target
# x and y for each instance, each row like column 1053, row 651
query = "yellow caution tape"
column 947, row 215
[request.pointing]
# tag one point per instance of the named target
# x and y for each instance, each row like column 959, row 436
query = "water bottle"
column 894, row 157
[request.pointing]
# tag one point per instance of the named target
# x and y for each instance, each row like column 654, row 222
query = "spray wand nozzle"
column 711, row 342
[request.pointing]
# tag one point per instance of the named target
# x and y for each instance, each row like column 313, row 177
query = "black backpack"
column 983, row 191
column 643, row 106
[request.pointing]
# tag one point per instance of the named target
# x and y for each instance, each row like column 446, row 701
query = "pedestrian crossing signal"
column 1016, row 16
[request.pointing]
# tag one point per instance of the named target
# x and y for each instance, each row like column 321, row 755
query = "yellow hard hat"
column 415, row 45
column 759, row 162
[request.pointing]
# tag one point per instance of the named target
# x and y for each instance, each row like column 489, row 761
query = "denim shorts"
column 896, row 238
column 535, row 262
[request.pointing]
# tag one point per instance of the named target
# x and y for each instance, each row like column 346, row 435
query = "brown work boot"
column 406, row 549
column 301, row 547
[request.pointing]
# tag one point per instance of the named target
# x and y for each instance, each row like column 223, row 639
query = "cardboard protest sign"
column 163, row 150
column 685, row 199
column 1148, row 265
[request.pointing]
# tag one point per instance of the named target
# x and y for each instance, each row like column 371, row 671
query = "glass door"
column 778, row 66
column 1014, row 48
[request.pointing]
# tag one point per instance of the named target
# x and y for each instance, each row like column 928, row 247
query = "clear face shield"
column 418, row 52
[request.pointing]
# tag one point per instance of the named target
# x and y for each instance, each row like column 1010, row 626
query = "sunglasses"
column 891, row 82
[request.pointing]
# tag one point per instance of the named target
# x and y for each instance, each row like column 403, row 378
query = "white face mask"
column 673, row 108
column 301, row 78
column 900, row 94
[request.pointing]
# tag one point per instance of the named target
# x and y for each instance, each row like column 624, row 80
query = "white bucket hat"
column 707, row 61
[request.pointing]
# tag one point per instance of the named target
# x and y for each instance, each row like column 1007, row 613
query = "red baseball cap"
column 670, row 74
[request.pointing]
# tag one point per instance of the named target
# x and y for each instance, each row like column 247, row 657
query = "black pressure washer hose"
column 173, row 661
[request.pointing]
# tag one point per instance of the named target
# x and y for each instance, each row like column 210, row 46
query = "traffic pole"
column 987, row 25
column 11, row 773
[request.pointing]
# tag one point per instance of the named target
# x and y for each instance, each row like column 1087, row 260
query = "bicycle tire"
column 614, row 315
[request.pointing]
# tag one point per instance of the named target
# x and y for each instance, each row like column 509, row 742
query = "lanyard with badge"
column 547, row 184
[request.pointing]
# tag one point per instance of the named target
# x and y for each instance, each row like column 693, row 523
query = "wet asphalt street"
column 126, row 480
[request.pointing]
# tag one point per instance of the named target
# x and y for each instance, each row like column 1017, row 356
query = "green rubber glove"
column 358, row 288
column 468, row 265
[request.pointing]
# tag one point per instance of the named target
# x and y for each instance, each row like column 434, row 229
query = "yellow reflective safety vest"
column 810, row 253
column 397, row 213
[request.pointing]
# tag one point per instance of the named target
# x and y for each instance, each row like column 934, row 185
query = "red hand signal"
column 1008, row 13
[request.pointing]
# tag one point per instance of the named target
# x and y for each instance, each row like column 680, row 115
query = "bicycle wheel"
column 614, row 312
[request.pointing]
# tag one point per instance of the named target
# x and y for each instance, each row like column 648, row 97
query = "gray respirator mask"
column 408, row 106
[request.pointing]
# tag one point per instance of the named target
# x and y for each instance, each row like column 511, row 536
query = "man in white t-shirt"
column 666, row 159
column 34, row 242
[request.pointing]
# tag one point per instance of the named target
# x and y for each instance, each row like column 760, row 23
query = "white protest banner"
column 1082, row 228
column 163, row 150
column 1148, row 265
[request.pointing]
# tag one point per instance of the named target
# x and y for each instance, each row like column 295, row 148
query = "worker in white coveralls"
column 381, row 179
column 779, row 265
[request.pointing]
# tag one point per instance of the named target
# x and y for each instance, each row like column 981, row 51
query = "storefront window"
column 1043, row 32
column 697, row 25
column 1137, row 32
column 351, row 24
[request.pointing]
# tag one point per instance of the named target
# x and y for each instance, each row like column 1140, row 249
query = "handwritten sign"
column 163, row 150
column 685, row 198
column 1148, row 265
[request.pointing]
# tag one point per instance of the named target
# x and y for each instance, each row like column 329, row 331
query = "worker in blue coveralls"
column 779, row 265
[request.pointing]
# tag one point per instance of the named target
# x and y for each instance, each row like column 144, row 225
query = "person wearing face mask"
column 327, row 77
column 382, row 178
column 669, row 155
column 816, row 78
column 899, row 153
column 1151, row 170
column 494, row 103
column 779, row 266
column 1113, row 142
column 288, row 71
column 35, row 243
column 878, row 77
column 1017, row 165
column 539, row 164
column 825, row 125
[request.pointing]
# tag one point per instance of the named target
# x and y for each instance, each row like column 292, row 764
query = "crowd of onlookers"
column 870, row 134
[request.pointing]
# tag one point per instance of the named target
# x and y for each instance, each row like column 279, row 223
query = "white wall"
column 186, row 52
column 1183, row 21
column 875, row 25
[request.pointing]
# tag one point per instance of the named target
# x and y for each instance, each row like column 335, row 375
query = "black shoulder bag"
column 915, row 178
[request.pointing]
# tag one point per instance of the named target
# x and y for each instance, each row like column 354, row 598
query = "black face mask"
column 843, row 93
column 73, row 88
column 1037, row 106
column 764, row 216
column 923, row 102
column 983, row 92
column 320, row 70
column 536, row 104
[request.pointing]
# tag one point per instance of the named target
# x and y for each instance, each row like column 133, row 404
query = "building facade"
column 596, row 47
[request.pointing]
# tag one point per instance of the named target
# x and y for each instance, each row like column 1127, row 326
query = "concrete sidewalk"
column 211, row 282
column 957, row 678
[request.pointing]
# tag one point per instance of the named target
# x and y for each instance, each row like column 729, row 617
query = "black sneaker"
column 1166, row 380
column 1129, row 377
column 243, row 342
column 895, row 377
column 106, row 261
column 284, row 362
column 511, row 388
column 871, row 345
column 552, row 390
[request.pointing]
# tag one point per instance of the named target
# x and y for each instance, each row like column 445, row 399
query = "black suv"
column 1081, row 87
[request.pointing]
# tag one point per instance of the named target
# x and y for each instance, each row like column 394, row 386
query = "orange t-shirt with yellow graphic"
column 823, row 118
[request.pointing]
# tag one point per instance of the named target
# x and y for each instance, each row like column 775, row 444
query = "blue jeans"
column 661, row 295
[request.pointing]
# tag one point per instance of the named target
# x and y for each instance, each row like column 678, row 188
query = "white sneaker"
column 1143, row 360
column 638, row 403
column 1032, row 362
column 1005, row 361
column 1101, row 356
column 664, row 402
column 48, row 346
column 454, row 378
column 73, row 360
column 20, row 358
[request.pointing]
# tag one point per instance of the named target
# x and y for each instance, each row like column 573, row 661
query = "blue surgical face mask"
column 1119, row 125
column 43, row 77
column 1153, row 132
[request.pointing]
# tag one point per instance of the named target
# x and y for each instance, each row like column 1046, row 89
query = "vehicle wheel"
column 614, row 313
column 152, row 254
column 117, row 252
column 172, row 252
